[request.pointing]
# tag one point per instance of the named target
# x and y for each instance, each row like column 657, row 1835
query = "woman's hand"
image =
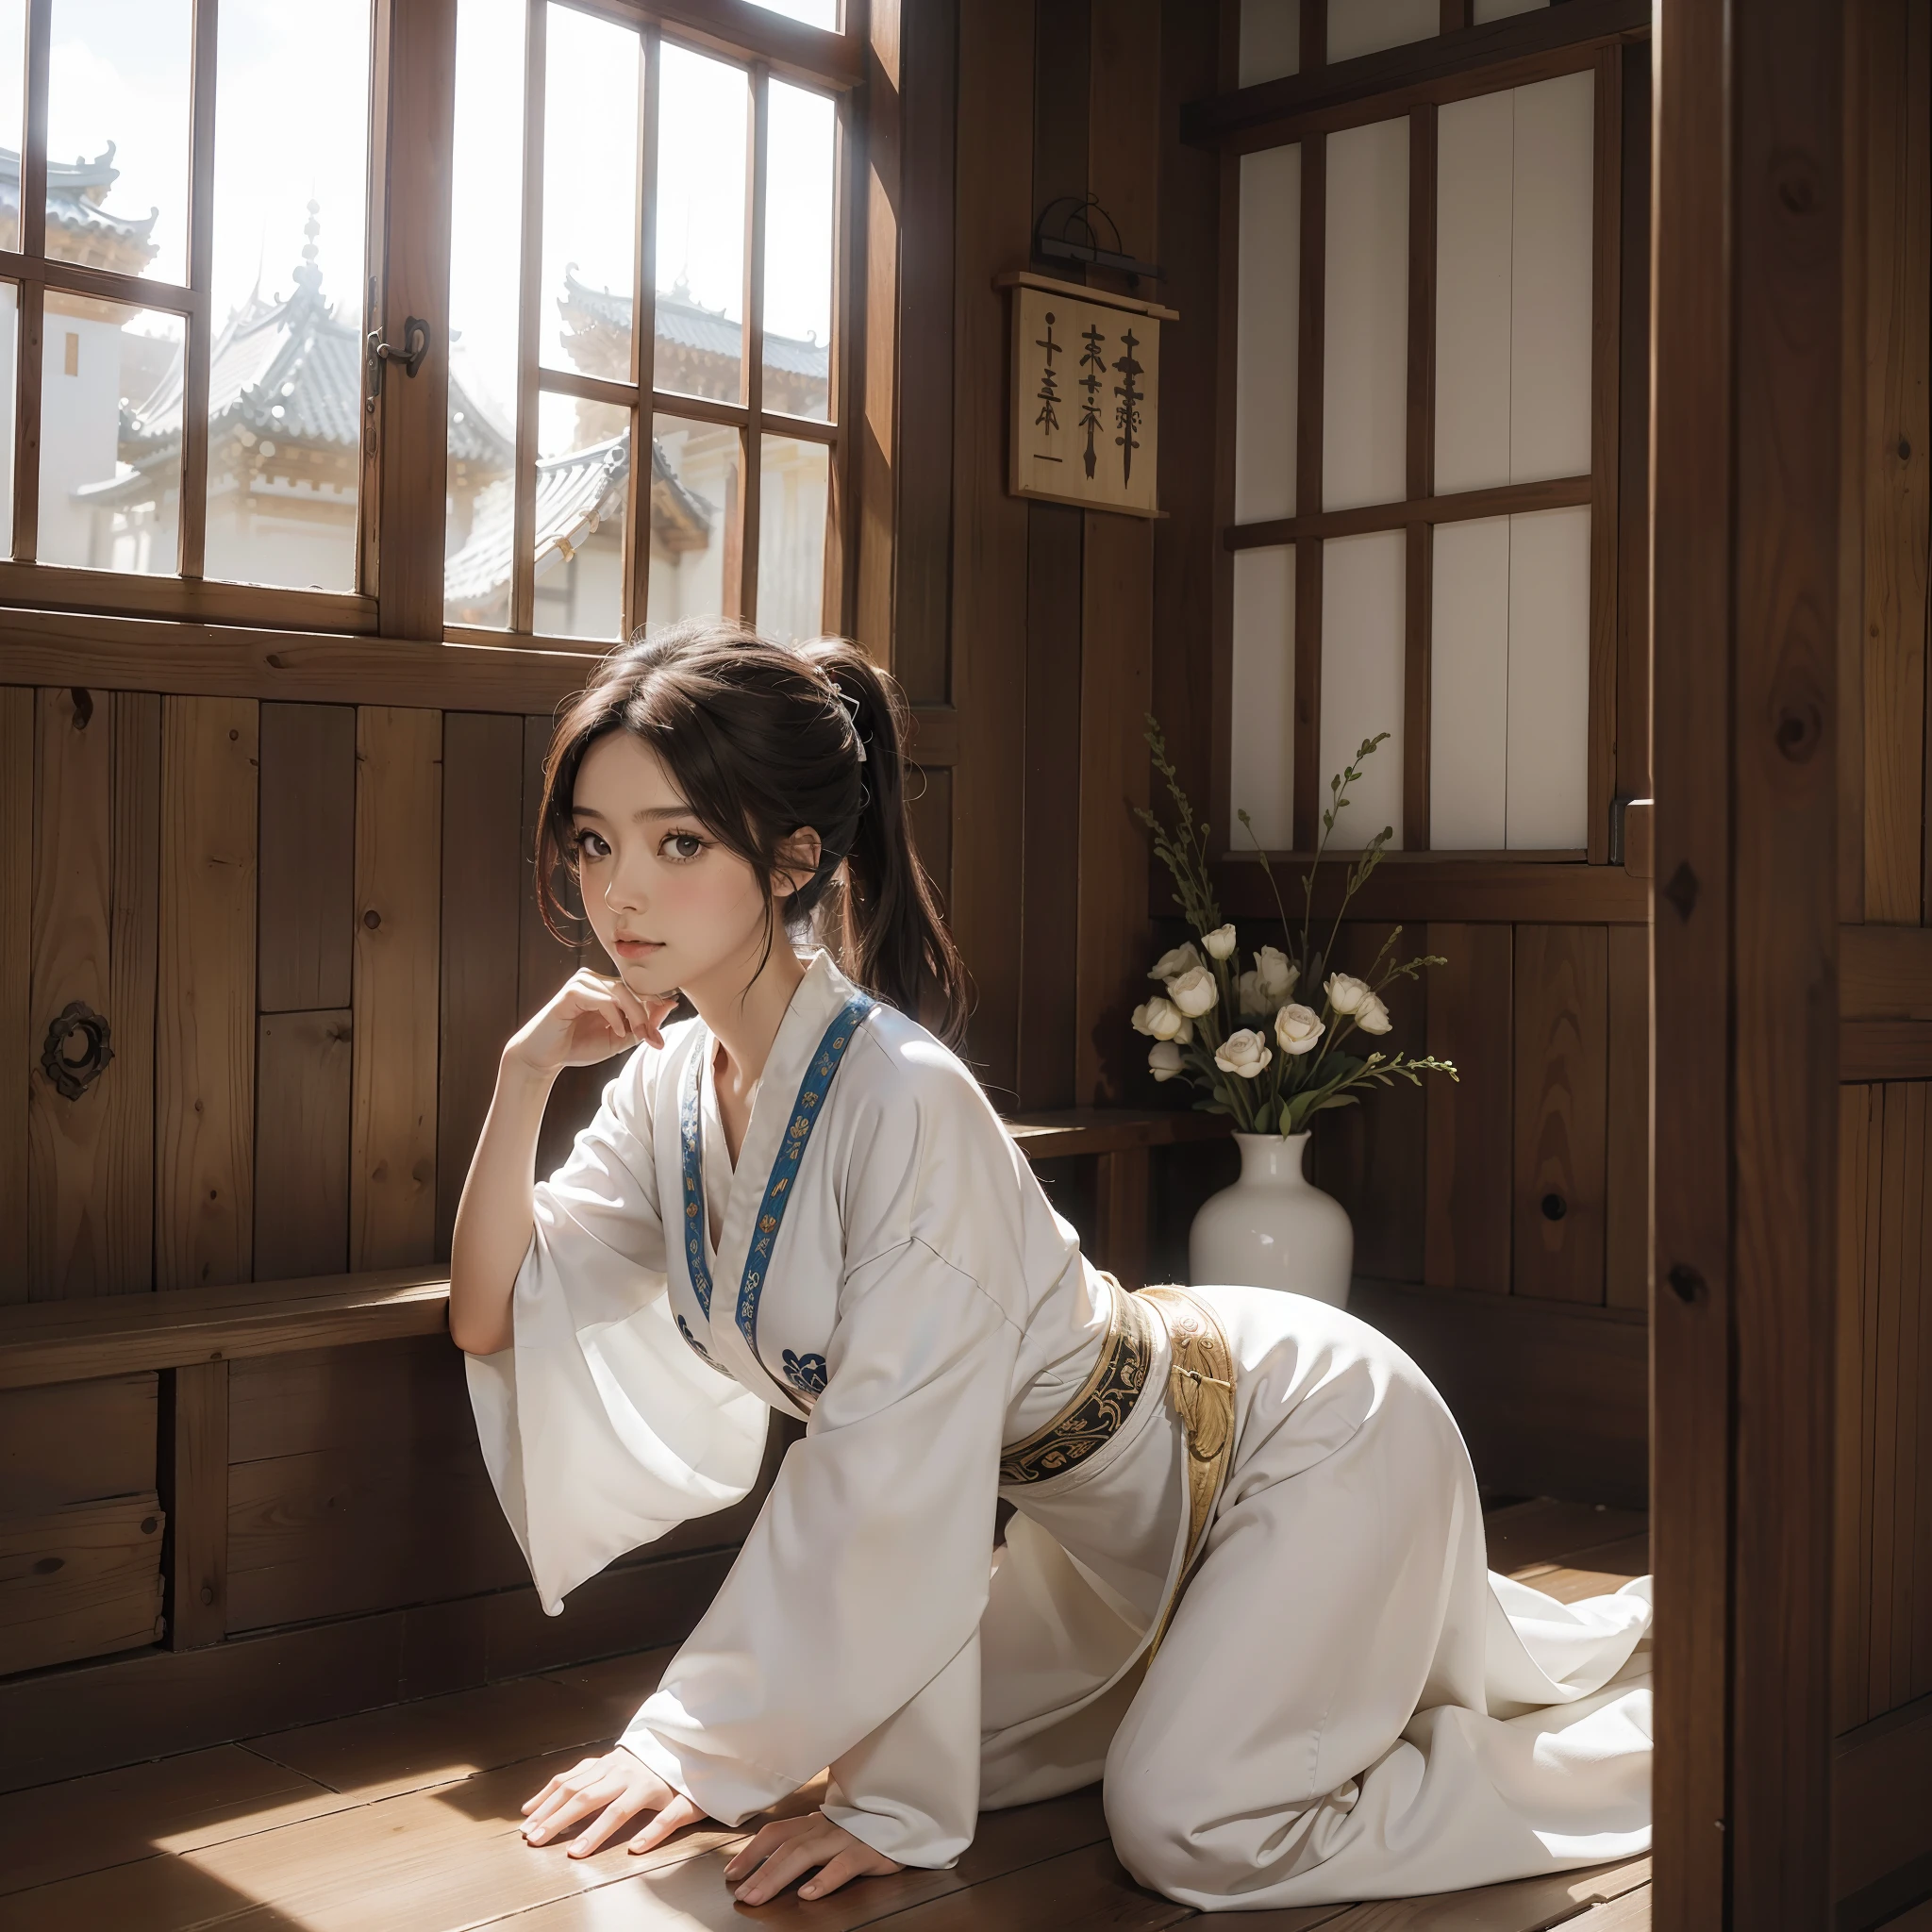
column 587, row 1020
column 790, row 1846
column 616, row 1787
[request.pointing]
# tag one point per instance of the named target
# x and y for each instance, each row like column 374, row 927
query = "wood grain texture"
column 1627, row 1127
column 1562, row 981
column 17, row 790
column 1881, row 1828
column 1605, row 423
column 1884, row 973
column 482, row 880
column 399, row 924
column 307, row 862
column 1418, row 560
column 1896, row 453
column 194, row 1490
column 1633, row 431
column 1470, row 1156
column 878, row 196
column 79, row 1582
column 1885, row 1050
column 1861, row 1122
column 1310, row 390
column 1443, row 886
column 304, row 1071
column 992, row 218
column 205, row 1031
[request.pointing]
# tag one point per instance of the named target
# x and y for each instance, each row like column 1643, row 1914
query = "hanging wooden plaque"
column 1085, row 395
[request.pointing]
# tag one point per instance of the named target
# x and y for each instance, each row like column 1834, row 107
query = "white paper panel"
column 1549, row 680
column 1361, row 678
column 1270, row 39
column 1268, row 332
column 1501, row 9
column 1366, row 27
column 1474, row 195
column 1263, row 751
column 1549, row 279
column 1365, row 372
column 1469, row 687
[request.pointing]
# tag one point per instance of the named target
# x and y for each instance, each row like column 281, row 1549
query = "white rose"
column 1186, row 1036
column 1164, row 1058
column 1372, row 1016
column 1219, row 942
column 1276, row 971
column 1244, row 1054
column 1193, row 991
column 1170, row 965
column 1248, row 996
column 1297, row 1028
column 1346, row 993
column 1158, row 1019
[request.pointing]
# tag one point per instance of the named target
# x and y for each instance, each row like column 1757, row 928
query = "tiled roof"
column 74, row 193
column 689, row 326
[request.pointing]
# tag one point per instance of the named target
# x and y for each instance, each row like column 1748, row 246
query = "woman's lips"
column 637, row 949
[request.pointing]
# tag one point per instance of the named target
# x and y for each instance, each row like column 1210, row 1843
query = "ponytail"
column 892, row 935
column 764, row 740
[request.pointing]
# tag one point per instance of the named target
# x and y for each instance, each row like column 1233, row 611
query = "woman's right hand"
column 610, row 1791
column 587, row 1020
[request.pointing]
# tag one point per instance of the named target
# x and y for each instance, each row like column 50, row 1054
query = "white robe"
column 1347, row 1704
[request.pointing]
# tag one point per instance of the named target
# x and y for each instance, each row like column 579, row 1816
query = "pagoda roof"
column 575, row 493
column 689, row 326
column 76, row 190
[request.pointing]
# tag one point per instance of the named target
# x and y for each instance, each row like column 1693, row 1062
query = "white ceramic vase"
column 1273, row 1228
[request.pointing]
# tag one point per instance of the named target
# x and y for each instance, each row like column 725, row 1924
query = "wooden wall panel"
column 205, row 1031
column 1897, row 452
column 1626, row 1161
column 308, row 857
column 304, row 1070
column 399, row 924
column 77, row 1443
column 482, row 772
column 102, row 1593
column 16, row 973
column 1470, row 1153
column 1561, row 1045
column 1371, row 1156
column 91, row 1165
column 1883, row 1597
column 194, row 1490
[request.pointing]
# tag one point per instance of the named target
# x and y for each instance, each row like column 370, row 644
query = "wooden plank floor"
column 409, row 1818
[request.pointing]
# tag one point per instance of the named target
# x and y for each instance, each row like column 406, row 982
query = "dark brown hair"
column 763, row 741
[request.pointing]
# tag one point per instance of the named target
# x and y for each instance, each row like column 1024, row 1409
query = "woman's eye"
column 683, row 846
column 584, row 840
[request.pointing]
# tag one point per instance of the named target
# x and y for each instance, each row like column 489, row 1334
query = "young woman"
column 1246, row 1581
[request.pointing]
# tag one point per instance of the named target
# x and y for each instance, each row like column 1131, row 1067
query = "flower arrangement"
column 1257, row 1052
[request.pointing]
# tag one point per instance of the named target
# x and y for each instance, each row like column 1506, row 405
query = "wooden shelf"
column 1077, row 1130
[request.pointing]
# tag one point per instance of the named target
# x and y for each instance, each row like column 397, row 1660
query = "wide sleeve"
column 600, row 1427
column 846, row 1634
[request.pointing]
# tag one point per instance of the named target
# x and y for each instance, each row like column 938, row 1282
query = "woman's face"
column 671, row 905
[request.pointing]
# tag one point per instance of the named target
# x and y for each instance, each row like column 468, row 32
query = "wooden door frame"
column 1748, row 267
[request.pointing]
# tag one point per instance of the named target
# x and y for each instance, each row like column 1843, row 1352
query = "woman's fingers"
column 765, row 1841
column 842, row 1866
column 567, row 1806
column 623, row 1807
column 672, row 1820
column 588, row 1766
column 788, row 1862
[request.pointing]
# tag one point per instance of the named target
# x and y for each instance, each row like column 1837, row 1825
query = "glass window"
column 583, row 488
column 694, row 515
column 822, row 13
column 485, row 276
column 703, row 107
column 118, row 133
column 10, row 338
column 793, row 478
column 285, row 379
column 110, row 436
column 798, row 253
column 12, row 107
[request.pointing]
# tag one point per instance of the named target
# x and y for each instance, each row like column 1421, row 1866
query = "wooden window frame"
column 400, row 508
column 1414, row 81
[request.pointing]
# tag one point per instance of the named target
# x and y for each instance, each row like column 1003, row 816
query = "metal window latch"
column 415, row 346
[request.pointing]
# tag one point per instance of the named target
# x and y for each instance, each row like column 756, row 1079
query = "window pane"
column 13, row 109
column 10, row 338
column 117, row 102
column 702, row 108
column 583, row 483
column 484, row 280
column 798, row 252
column 284, row 382
column 693, row 504
column 593, row 72
column 110, row 436
column 792, row 537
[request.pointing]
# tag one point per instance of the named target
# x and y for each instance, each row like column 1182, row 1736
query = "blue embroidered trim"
column 703, row 1353
column 806, row 1373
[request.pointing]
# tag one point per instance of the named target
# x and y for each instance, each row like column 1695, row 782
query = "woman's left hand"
column 789, row 1847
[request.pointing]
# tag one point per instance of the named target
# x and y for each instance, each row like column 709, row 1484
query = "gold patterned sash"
column 1199, row 1385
